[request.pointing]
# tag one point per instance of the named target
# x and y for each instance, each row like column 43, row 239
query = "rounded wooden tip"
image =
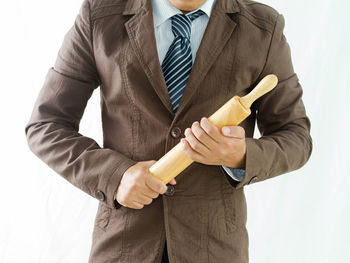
column 265, row 85
column 271, row 82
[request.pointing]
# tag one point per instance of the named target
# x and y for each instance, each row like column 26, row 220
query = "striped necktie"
column 177, row 63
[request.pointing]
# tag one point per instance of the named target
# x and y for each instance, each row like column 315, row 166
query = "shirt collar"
column 163, row 10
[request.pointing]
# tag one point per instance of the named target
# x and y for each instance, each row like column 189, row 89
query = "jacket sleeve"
column 285, row 143
column 53, row 129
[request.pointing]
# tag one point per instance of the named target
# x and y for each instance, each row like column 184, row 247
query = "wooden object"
column 231, row 113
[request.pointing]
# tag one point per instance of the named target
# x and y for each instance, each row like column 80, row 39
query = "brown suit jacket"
column 112, row 46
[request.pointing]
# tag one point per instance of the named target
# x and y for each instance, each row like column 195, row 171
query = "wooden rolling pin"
column 231, row 113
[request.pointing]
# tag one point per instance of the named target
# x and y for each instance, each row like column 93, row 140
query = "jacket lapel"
column 217, row 33
column 140, row 29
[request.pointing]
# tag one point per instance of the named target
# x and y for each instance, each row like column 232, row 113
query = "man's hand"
column 206, row 144
column 138, row 187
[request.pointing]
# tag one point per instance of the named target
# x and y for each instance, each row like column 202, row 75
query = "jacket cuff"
column 254, row 164
column 107, row 188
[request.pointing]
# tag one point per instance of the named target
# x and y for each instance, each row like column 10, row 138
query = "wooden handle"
column 263, row 87
column 231, row 113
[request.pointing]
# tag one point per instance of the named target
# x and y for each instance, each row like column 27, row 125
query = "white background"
column 298, row 217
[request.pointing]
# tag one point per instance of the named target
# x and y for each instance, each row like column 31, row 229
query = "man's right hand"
column 138, row 187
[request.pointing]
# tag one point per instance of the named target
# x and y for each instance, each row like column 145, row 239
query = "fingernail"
column 226, row 130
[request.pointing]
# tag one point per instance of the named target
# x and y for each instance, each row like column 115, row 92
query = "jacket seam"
column 92, row 44
column 269, row 50
column 106, row 15
column 94, row 16
column 135, row 114
column 256, row 24
column 100, row 7
column 259, row 18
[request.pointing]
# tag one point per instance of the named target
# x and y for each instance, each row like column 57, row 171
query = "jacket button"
column 100, row 195
column 253, row 179
column 170, row 190
column 176, row 132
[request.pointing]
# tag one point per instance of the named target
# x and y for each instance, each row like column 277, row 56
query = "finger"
column 172, row 181
column 233, row 131
column 203, row 136
column 142, row 199
column 155, row 184
column 192, row 154
column 211, row 130
column 149, row 192
column 135, row 205
column 195, row 143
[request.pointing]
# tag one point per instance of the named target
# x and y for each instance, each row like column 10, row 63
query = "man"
column 116, row 45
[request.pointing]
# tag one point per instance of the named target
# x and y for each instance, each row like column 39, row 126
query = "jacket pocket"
column 103, row 216
column 228, row 199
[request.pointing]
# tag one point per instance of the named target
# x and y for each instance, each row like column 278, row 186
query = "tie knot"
column 196, row 14
column 181, row 23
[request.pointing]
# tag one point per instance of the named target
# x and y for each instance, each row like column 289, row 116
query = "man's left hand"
column 205, row 143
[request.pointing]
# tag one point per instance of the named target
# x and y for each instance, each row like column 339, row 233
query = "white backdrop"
column 298, row 217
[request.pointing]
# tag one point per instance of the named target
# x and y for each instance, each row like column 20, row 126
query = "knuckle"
column 161, row 189
column 211, row 130
column 200, row 135
column 195, row 146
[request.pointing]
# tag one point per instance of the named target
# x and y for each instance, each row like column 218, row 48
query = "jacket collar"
column 164, row 10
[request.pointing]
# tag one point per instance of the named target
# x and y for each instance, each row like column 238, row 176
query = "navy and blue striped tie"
column 177, row 63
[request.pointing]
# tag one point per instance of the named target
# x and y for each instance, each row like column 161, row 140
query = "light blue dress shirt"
column 163, row 10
